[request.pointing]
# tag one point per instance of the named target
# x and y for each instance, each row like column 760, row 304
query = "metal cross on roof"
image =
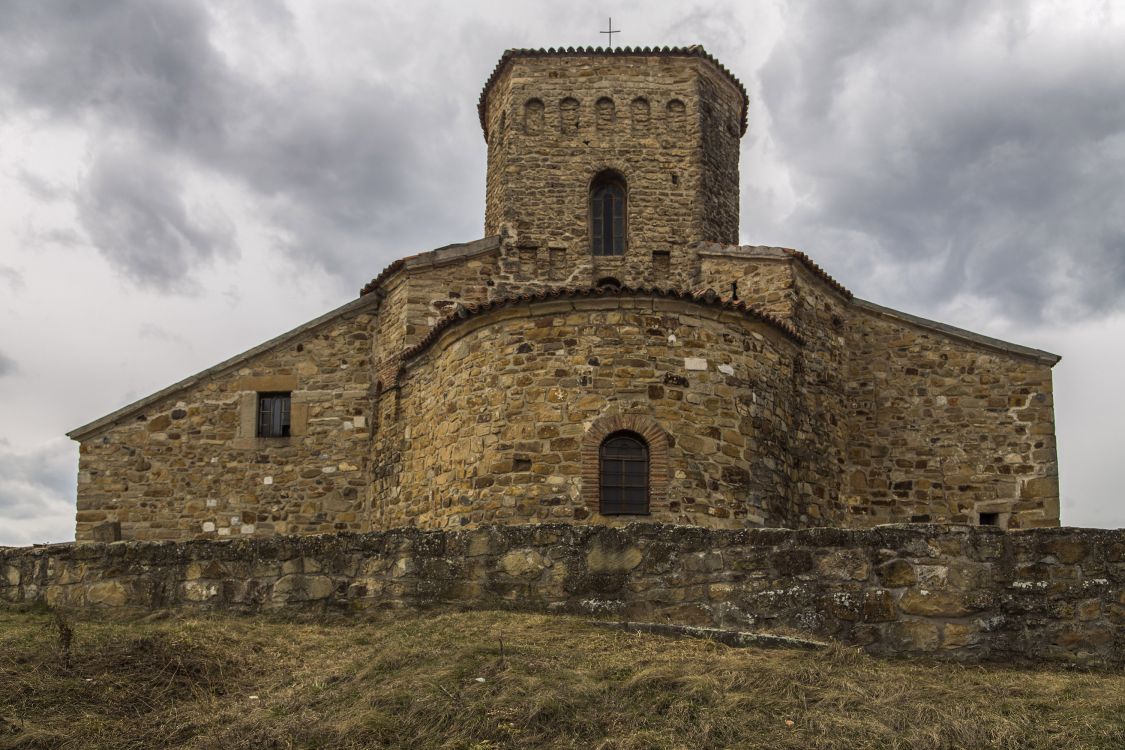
column 611, row 31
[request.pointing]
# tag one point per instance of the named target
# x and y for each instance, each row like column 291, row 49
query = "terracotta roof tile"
column 704, row 297
column 375, row 282
column 816, row 270
column 693, row 51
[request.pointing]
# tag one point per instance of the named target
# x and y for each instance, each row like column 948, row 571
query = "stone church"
column 608, row 353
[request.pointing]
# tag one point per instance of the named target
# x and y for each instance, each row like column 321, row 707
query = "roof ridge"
column 694, row 50
column 705, row 296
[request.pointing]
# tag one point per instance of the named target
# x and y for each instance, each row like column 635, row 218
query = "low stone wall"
column 950, row 591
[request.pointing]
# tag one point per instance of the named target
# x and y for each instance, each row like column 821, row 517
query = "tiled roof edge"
column 704, row 297
column 695, row 50
column 819, row 272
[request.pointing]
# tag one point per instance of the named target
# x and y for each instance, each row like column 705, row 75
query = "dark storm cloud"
column 145, row 64
column 338, row 169
column 132, row 206
column 959, row 144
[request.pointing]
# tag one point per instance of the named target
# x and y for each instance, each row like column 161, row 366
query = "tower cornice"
column 695, row 50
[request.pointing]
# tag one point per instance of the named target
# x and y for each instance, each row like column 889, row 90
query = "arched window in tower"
column 606, row 112
column 568, row 115
column 533, row 116
column 623, row 475
column 639, row 111
column 677, row 116
column 607, row 214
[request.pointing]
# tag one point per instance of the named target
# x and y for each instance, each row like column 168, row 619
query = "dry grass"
column 440, row 681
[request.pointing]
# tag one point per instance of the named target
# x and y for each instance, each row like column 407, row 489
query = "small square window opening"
column 273, row 414
column 989, row 519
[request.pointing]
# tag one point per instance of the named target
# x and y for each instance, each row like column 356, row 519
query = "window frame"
column 605, row 185
column 280, row 423
column 622, row 480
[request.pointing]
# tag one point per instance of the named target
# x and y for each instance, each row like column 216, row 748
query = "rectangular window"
column 273, row 414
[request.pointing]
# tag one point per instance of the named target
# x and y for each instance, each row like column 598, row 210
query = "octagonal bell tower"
column 610, row 163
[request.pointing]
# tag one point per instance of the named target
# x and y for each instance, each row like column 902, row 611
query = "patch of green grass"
column 440, row 681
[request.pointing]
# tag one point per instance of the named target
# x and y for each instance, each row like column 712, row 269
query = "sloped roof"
column 695, row 50
column 706, row 297
column 355, row 306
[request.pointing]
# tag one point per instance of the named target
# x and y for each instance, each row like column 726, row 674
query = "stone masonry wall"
column 773, row 281
column 191, row 466
column 494, row 414
column 943, row 430
column 951, row 592
column 821, row 428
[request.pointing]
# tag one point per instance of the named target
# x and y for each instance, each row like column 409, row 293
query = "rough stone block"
column 914, row 635
column 879, row 606
column 299, row 588
column 897, row 573
column 107, row 594
column 602, row 559
column 846, row 564
column 524, row 563
column 934, row 603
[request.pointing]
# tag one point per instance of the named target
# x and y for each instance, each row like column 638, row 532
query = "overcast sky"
column 182, row 180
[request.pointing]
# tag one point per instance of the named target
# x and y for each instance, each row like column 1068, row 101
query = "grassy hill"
column 488, row 680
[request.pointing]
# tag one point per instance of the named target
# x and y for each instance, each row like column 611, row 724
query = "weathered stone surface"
column 525, row 563
column 934, row 603
column 914, row 635
column 879, row 606
column 957, row 635
column 852, row 564
column 601, row 559
column 897, row 573
column 107, row 593
column 733, row 579
column 300, row 588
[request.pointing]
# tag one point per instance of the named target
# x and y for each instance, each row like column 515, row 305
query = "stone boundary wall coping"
column 952, row 592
